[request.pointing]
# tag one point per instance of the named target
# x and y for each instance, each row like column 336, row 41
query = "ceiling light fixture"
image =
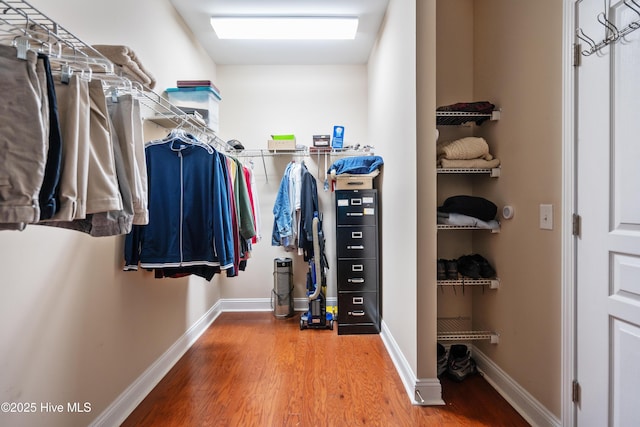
column 285, row 27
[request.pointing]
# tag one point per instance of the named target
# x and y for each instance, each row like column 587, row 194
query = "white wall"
column 73, row 326
column 524, row 77
column 392, row 128
column 303, row 100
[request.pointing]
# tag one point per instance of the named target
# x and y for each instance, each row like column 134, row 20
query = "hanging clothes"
column 255, row 203
column 22, row 140
column 283, row 225
column 294, row 209
column 102, row 136
column 66, row 161
column 308, row 210
column 188, row 208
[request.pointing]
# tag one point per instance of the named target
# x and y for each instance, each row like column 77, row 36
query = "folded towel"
column 128, row 63
column 467, row 148
column 472, row 163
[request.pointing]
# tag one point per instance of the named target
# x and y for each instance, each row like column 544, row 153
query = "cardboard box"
column 281, row 145
column 347, row 181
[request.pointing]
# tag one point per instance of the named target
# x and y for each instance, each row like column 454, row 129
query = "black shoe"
column 460, row 364
column 442, row 360
column 468, row 266
column 486, row 271
column 452, row 269
column 442, row 269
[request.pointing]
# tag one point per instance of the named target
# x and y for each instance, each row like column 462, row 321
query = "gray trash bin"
column 281, row 298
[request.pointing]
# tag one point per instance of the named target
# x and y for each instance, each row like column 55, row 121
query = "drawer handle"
column 356, row 202
column 356, row 247
column 357, row 300
column 355, row 183
column 357, row 267
column 356, row 280
column 356, row 234
column 355, row 214
column 357, row 313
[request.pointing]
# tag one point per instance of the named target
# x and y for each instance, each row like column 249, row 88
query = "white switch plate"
column 546, row 217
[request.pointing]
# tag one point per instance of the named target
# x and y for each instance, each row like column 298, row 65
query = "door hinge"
column 577, row 55
column 575, row 392
column 577, row 225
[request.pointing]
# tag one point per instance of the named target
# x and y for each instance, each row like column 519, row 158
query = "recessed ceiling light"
column 285, row 27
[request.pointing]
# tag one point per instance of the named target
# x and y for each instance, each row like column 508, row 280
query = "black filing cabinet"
column 357, row 267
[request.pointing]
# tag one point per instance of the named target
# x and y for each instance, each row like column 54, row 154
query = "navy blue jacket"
column 189, row 213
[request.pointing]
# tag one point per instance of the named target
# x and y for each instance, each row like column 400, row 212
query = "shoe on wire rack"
column 442, row 360
column 442, row 269
column 452, row 269
column 460, row 364
column 486, row 270
column 469, row 267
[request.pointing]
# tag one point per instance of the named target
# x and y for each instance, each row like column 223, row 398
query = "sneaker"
column 452, row 269
column 460, row 364
column 486, row 271
column 442, row 269
column 442, row 360
column 468, row 266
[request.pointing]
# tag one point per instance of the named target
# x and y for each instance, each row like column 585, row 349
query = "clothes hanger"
column 180, row 135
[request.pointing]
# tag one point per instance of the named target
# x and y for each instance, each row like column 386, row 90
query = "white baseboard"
column 531, row 410
column 264, row 304
column 129, row 399
column 424, row 391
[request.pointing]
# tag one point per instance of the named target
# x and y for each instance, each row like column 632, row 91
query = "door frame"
column 569, row 182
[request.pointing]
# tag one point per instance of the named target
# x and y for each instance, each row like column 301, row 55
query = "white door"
column 608, row 201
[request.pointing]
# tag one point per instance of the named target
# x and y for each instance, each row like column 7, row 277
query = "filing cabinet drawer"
column 358, row 307
column 357, row 242
column 357, row 275
column 356, row 207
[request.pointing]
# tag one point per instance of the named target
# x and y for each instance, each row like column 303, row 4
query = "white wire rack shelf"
column 490, row 283
column 304, row 151
column 492, row 172
column 459, row 329
column 28, row 25
column 456, row 118
column 466, row 227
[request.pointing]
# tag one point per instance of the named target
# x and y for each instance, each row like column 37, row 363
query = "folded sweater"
column 467, row 148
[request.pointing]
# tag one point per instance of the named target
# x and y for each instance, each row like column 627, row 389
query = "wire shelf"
column 491, row 283
column 459, row 329
column 466, row 227
column 493, row 172
column 456, row 118
column 26, row 23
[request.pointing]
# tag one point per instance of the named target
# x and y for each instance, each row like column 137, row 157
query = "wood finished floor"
column 251, row 369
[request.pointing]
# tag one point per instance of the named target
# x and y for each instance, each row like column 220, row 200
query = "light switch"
column 546, row 217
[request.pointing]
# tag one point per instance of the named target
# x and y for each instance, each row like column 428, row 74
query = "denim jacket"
column 282, row 220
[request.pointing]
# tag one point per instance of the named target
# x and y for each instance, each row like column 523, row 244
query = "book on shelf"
column 195, row 83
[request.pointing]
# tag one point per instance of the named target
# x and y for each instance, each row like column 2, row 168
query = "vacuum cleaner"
column 317, row 316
